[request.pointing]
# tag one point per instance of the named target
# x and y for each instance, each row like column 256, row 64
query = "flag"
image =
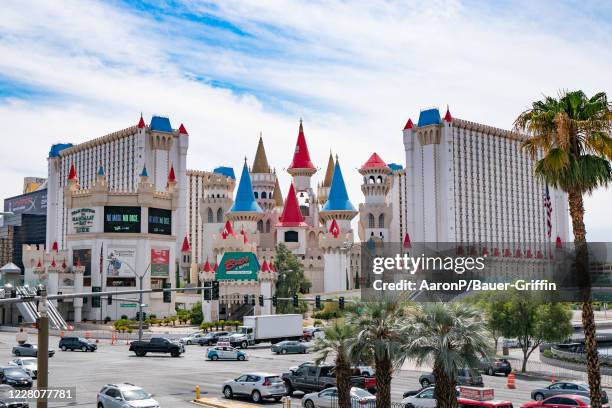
column 101, row 260
column 548, row 207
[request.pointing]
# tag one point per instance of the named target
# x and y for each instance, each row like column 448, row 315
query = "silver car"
column 257, row 386
column 28, row 364
column 328, row 398
column 193, row 338
column 28, row 350
column 125, row 396
column 562, row 387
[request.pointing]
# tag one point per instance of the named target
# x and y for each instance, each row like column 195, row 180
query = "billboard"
column 160, row 221
column 160, row 262
column 31, row 203
column 121, row 219
column 121, row 262
column 82, row 256
column 238, row 266
column 82, row 219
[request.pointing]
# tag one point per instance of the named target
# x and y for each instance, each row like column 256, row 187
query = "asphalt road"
column 173, row 380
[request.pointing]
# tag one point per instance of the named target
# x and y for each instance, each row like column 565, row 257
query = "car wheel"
column 425, row 383
column 539, row 397
column 490, row 371
column 244, row 345
column 100, row 405
column 227, row 392
column 506, row 373
column 84, row 348
column 241, row 358
column 214, row 358
column 256, row 396
column 64, row 348
column 189, row 342
column 309, row 404
column 17, row 353
column 283, row 351
column 175, row 353
column 277, row 399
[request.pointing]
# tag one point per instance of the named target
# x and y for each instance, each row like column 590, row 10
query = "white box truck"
column 268, row 328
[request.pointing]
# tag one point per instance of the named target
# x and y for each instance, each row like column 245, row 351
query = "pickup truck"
column 312, row 378
column 157, row 345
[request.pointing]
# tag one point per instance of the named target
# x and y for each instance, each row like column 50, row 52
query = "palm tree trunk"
column 576, row 207
column 343, row 381
column 444, row 391
column 383, row 382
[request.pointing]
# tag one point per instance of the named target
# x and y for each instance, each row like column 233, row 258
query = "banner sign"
column 160, row 262
column 121, row 262
column 31, row 203
column 121, row 219
column 160, row 221
column 82, row 219
column 238, row 266
column 82, row 257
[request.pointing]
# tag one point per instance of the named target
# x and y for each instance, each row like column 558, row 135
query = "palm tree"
column 378, row 338
column 572, row 133
column 337, row 341
column 452, row 336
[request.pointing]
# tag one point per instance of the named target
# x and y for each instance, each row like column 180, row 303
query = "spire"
column 406, row 244
column 207, row 267
column 292, row 216
column 182, row 130
column 244, row 236
column 334, row 228
column 101, row 170
column 171, row 175
column 448, row 117
column 277, row 195
column 78, row 263
column 215, row 267
column 228, row 229
column 64, row 266
column 72, row 174
column 185, row 247
column 141, row 123
column 260, row 164
column 374, row 162
column 265, row 267
column 54, row 246
column 409, row 124
column 558, row 243
column 245, row 199
column 338, row 199
column 329, row 173
column 53, row 263
column 144, row 172
column 39, row 264
column 301, row 157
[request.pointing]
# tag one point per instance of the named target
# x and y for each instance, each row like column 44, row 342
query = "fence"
column 354, row 404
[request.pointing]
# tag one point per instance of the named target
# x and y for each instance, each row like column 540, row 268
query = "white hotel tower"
column 471, row 183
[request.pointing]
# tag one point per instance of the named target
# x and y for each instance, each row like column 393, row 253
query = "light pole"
column 42, row 357
column 140, row 282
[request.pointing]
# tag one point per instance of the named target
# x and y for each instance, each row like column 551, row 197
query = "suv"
column 76, row 343
column 125, row 395
column 465, row 376
column 211, row 338
column 492, row 366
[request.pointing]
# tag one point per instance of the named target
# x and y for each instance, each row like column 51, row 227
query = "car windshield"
column 275, row 379
column 360, row 393
column 14, row 372
column 135, row 395
column 84, row 340
column 30, row 363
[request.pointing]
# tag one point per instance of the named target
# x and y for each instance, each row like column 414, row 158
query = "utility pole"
column 140, row 278
column 43, row 349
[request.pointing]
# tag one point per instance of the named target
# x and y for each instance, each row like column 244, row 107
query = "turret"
column 291, row 228
column 245, row 212
column 323, row 188
column 376, row 212
column 338, row 206
column 302, row 169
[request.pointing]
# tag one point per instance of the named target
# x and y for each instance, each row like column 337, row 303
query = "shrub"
column 548, row 353
column 318, row 322
column 124, row 317
column 107, row 319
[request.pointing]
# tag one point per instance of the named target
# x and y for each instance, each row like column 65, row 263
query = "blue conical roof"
column 100, row 171
column 144, row 172
column 338, row 199
column 245, row 199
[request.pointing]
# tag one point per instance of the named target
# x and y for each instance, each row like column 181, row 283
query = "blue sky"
column 354, row 71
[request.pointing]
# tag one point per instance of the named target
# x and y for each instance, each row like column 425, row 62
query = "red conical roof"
column 53, row 263
column 406, row 242
column 185, row 247
column 265, row 267
column 334, row 228
column 78, row 263
column 182, row 130
column 228, row 229
column 272, row 267
column 215, row 266
column 374, row 162
column 409, row 124
column 292, row 216
column 448, row 117
column 54, row 246
column 171, row 175
column 301, row 157
column 72, row 174
column 207, row 267
column 244, row 235
column 64, row 264
column 39, row 265
column 558, row 242
column 141, row 123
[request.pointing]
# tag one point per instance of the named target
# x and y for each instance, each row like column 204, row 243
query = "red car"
column 470, row 403
column 561, row 401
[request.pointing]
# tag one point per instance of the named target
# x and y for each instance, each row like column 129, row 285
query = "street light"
column 140, row 280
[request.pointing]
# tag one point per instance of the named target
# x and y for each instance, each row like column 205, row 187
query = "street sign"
column 127, row 304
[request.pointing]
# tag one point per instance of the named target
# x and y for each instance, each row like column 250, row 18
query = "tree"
column 452, row 336
column 291, row 279
column 337, row 340
column 573, row 134
column 196, row 315
column 379, row 338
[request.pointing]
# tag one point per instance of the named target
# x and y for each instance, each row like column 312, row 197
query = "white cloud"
column 354, row 71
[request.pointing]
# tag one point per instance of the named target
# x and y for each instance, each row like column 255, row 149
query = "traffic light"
column 252, row 300
column 295, row 300
column 60, row 299
column 261, row 300
column 246, row 299
column 144, row 315
column 208, row 291
column 274, row 301
column 318, row 302
column 215, row 290
column 341, row 302
column 95, row 300
column 167, row 295
column 109, row 300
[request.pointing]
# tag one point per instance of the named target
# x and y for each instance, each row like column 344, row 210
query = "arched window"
column 210, row 215
column 371, row 221
column 379, row 180
column 291, row 236
column 256, row 194
column 219, row 215
column 371, row 180
column 381, row 221
column 264, row 195
column 260, row 225
column 268, row 226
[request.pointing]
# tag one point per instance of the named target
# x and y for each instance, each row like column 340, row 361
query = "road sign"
column 127, row 304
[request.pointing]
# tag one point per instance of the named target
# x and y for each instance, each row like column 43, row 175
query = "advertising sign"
column 31, row 203
column 82, row 219
column 160, row 221
column 121, row 262
column 83, row 257
column 238, row 266
column 121, row 219
column 160, row 262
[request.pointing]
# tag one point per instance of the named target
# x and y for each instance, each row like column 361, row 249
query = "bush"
column 318, row 323
column 548, row 353
column 196, row 315
column 124, row 317
column 107, row 319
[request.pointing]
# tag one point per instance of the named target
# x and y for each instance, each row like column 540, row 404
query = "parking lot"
column 173, row 380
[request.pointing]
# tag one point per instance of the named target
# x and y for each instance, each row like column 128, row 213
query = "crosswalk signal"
column 274, row 301
column 246, row 299
column 295, row 300
column 261, row 300
column 341, row 302
column 215, row 290
column 253, row 300
column 318, row 301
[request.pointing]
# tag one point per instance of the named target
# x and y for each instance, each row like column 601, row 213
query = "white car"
column 223, row 352
column 328, row 398
column 257, row 386
column 422, row 399
column 28, row 364
column 125, row 396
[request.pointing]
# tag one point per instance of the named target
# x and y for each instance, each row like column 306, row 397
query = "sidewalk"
column 215, row 402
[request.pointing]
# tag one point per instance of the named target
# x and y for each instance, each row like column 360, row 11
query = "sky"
column 354, row 71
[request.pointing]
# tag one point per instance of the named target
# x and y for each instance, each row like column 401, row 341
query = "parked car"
column 15, row 377
column 564, row 387
column 193, row 338
column 225, row 353
column 28, row 350
column 310, row 333
column 257, row 386
column 211, row 338
column 510, row 343
column 27, row 364
column 465, row 376
column 125, row 395
column 329, row 398
column 561, row 401
column 492, row 366
column 289, row 347
column 470, row 403
column 7, row 398
column 157, row 345
column 366, row 370
column 77, row 343
column 420, row 399
column 312, row 378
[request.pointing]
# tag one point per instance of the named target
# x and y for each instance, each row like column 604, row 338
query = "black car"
column 492, row 366
column 15, row 377
column 76, row 343
column 211, row 338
